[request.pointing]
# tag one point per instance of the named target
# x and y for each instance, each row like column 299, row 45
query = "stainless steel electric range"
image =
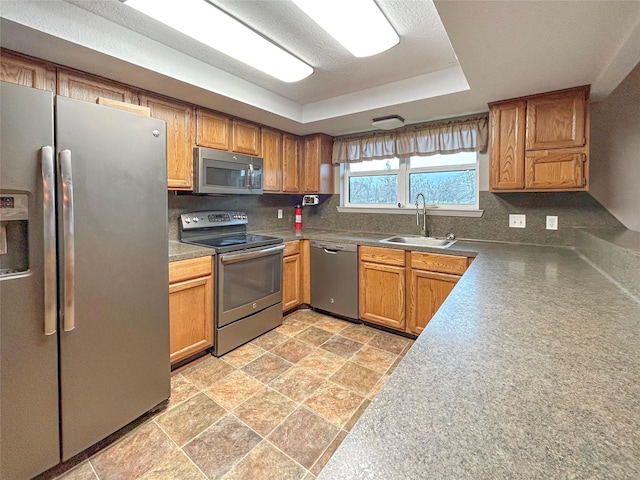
column 248, row 275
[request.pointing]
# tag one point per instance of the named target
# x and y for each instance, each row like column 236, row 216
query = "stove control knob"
column 195, row 219
column 187, row 220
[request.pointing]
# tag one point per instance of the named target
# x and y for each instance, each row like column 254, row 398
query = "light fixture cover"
column 209, row 25
column 388, row 123
column 359, row 25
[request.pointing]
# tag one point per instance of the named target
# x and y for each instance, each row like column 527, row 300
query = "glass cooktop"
column 241, row 241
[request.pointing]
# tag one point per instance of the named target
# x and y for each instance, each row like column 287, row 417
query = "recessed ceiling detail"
column 499, row 53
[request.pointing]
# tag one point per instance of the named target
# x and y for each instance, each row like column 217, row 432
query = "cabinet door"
column 427, row 292
column 272, row 157
column 26, row 71
column 213, row 130
column 290, row 163
column 317, row 176
column 190, row 307
column 180, row 127
column 382, row 294
column 86, row 87
column 246, row 138
column 555, row 169
column 291, row 282
column 506, row 153
column 557, row 120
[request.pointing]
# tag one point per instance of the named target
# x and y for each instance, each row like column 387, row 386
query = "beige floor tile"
column 308, row 317
column 321, row 363
column 266, row 462
column 356, row 416
column 356, row 377
column 175, row 465
column 134, row 455
column 326, row 455
column 267, row 367
column 297, row 383
column 293, row 350
column 359, row 333
column 374, row 358
column 239, row 357
column 303, row 436
column 331, row 324
column 191, row 417
column 334, row 403
column 221, row 446
column 389, row 342
column 342, row 346
column 291, row 327
column 81, row 472
column 269, row 340
column 234, row 389
column 265, row 410
column 314, row 336
column 208, row 372
column 375, row 390
column 309, row 476
column 181, row 389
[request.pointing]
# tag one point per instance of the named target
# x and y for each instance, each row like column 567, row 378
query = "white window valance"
column 468, row 134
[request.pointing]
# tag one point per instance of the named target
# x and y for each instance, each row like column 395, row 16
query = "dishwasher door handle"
column 331, row 252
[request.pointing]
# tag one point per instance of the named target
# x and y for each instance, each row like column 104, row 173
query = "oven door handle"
column 240, row 257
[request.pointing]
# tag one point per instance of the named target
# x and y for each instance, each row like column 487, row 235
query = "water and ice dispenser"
column 14, row 233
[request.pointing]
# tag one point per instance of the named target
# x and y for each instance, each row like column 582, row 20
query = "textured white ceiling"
column 504, row 49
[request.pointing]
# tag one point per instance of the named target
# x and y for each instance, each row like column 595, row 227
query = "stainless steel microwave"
column 216, row 171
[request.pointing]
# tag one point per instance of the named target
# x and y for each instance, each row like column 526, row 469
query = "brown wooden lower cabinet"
column 427, row 291
column 190, row 307
column 381, row 287
column 295, row 274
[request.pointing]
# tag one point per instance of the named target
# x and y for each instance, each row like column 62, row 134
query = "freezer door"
column 113, row 247
column 29, row 358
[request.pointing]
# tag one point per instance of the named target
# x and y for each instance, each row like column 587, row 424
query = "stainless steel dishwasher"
column 334, row 278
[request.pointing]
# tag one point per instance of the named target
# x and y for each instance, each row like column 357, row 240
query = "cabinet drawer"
column 191, row 268
column 291, row 248
column 387, row 256
column 439, row 263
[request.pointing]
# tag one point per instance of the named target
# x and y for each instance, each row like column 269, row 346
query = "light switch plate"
column 517, row 221
column 552, row 222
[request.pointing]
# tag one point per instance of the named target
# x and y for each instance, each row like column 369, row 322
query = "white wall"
column 615, row 151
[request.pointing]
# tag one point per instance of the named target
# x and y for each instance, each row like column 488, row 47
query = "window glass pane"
column 457, row 187
column 375, row 165
column 461, row 158
column 373, row 189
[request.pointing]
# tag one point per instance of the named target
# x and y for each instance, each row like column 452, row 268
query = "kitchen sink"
column 419, row 241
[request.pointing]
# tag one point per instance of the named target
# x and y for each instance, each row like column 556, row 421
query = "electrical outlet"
column 279, row 213
column 517, row 221
column 552, row 222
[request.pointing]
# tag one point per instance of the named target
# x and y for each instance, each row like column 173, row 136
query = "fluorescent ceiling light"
column 358, row 25
column 207, row 24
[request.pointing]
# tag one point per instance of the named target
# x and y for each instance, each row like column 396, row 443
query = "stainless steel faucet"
column 425, row 232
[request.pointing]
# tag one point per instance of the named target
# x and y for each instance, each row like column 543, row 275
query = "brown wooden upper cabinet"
column 271, row 146
column 27, row 71
column 540, row 142
column 291, row 148
column 245, row 137
column 83, row 86
column 180, row 120
column 317, row 170
column 213, row 129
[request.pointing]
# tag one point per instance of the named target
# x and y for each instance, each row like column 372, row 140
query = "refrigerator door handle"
column 49, row 216
column 66, row 180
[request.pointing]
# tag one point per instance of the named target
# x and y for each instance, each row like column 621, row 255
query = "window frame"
column 406, row 204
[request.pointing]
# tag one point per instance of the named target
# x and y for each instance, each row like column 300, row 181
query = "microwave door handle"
column 251, row 176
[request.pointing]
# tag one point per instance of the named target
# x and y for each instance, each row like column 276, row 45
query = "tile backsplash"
column 573, row 209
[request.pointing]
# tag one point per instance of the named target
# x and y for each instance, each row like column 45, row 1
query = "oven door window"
column 247, row 286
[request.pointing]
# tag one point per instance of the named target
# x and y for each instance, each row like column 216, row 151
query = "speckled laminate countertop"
column 530, row 369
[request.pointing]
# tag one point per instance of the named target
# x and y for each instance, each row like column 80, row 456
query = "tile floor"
column 277, row 407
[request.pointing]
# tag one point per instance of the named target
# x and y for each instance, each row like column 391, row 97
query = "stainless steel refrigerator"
column 84, row 328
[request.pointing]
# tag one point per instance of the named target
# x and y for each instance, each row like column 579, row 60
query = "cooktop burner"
column 223, row 231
